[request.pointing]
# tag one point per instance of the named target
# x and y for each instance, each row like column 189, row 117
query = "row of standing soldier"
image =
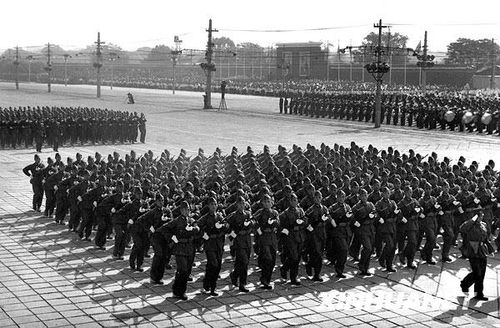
column 423, row 111
column 56, row 126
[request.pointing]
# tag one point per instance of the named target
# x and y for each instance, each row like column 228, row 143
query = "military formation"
column 444, row 111
column 306, row 206
column 59, row 126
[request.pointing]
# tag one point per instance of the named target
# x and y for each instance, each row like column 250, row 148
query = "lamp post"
column 30, row 59
column 66, row 56
column 175, row 56
column 284, row 71
column 112, row 57
column 377, row 70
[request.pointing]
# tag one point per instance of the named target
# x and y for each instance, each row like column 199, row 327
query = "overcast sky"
column 132, row 24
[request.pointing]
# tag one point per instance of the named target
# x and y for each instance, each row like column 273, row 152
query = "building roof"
column 299, row 44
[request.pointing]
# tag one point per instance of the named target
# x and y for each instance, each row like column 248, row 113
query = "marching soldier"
column 267, row 220
column 387, row 212
column 292, row 226
column 407, row 227
column 183, row 229
column 213, row 227
column 317, row 216
column 364, row 215
column 240, row 225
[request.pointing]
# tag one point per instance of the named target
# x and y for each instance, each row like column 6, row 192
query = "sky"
column 133, row 24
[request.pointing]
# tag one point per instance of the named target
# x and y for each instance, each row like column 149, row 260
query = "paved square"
column 50, row 278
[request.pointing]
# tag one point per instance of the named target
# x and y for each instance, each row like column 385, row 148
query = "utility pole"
column 209, row 67
column 30, row 59
column 327, row 61
column 98, row 64
column 66, row 56
column 404, row 72
column 363, row 65
column 425, row 61
column 378, row 69
column 493, row 65
column 424, row 73
column 175, row 55
column 112, row 57
column 16, row 64
column 338, row 62
column 390, row 54
column 350, row 61
column 48, row 68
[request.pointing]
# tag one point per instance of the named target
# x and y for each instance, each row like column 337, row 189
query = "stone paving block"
column 35, row 324
column 57, row 323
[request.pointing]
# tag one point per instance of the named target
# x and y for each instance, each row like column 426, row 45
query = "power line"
column 293, row 30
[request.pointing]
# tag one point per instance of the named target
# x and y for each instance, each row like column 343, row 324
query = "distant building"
column 304, row 60
column 482, row 78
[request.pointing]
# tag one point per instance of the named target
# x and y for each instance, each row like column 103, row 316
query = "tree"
column 473, row 53
column 396, row 41
column 223, row 43
column 160, row 53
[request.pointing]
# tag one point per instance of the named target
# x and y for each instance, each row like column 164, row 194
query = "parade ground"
column 49, row 278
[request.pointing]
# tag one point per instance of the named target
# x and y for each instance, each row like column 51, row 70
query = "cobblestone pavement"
column 50, row 278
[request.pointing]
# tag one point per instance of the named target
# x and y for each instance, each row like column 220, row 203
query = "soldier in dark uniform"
column 88, row 204
column 446, row 210
column 35, row 172
column 292, row 226
column 477, row 249
column 140, row 229
column 267, row 224
column 240, row 224
column 317, row 216
column 428, row 223
column 213, row 227
column 122, row 219
column 407, row 227
column 104, row 210
column 363, row 217
column 161, row 241
column 183, row 229
column 341, row 215
column 142, row 127
column 387, row 212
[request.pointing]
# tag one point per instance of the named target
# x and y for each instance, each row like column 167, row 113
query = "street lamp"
column 30, row 59
column 66, row 56
column 285, row 67
column 377, row 70
column 175, row 56
column 112, row 57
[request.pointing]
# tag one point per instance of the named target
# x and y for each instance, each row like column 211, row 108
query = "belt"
column 268, row 230
column 185, row 240
column 468, row 210
column 243, row 232
column 449, row 212
column 342, row 224
column 430, row 214
column 298, row 228
column 216, row 235
column 391, row 220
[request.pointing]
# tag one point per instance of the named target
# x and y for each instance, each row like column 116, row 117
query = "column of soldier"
column 430, row 111
column 56, row 126
column 315, row 204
